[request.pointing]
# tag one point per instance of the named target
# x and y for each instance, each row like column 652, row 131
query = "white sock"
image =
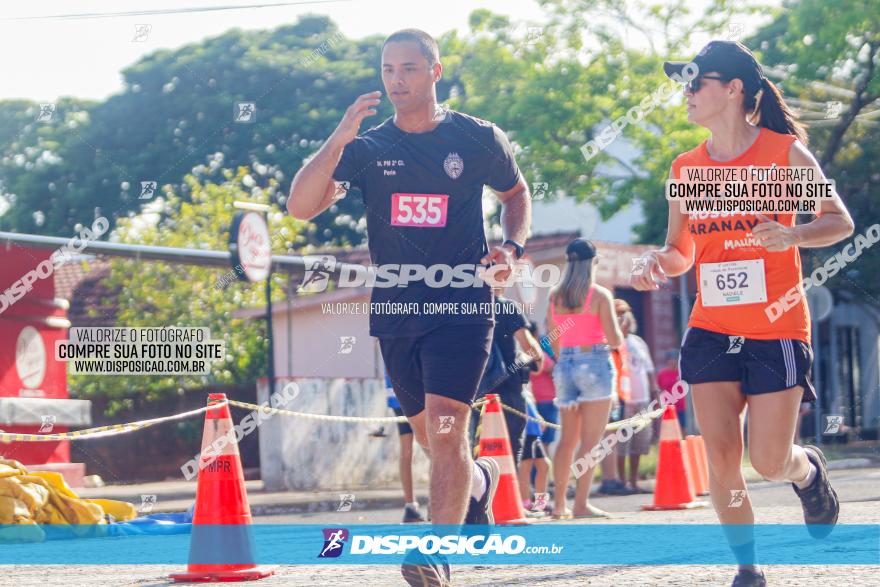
column 478, row 482
column 808, row 480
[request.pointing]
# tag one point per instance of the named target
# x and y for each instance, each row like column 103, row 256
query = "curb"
column 316, row 505
column 328, row 502
column 854, row 463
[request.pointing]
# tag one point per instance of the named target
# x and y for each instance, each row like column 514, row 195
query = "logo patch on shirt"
column 453, row 165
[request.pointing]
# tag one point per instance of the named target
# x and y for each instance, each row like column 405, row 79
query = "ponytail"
column 771, row 111
column 576, row 283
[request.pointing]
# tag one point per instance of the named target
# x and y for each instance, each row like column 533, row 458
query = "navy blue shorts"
column 760, row 366
column 447, row 361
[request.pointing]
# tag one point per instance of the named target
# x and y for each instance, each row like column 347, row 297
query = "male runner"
column 421, row 173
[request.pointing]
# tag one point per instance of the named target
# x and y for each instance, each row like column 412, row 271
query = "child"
column 533, row 455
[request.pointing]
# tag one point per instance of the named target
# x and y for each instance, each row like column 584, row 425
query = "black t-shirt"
column 423, row 198
column 508, row 320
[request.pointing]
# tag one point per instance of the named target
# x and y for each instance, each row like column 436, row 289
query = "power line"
column 159, row 12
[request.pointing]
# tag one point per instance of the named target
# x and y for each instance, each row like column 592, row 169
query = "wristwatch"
column 519, row 250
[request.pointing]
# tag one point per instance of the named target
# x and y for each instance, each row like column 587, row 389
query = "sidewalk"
column 177, row 496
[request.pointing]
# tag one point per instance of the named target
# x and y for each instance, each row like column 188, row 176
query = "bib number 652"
column 736, row 280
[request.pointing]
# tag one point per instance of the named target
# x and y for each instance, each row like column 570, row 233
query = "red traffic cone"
column 495, row 442
column 222, row 517
column 673, row 489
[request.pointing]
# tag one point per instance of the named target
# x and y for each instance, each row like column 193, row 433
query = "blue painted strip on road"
column 538, row 544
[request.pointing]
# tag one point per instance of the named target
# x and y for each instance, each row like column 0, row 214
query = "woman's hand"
column 647, row 274
column 773, row 236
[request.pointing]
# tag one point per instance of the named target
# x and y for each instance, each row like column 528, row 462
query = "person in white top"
column 642, row 390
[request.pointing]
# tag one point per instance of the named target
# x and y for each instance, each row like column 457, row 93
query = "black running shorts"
column 533, row 448
column 447, row 361
column 761, row 366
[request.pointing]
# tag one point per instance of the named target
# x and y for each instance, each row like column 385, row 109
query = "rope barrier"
column 647, row 417
column 540, row 421
column 99, row 432
column 324, row 417
column 612, row 427
column 116, row 429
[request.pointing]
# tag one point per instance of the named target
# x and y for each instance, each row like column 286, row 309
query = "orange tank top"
column 620, row 355
column 724, row 237
column 584, row 328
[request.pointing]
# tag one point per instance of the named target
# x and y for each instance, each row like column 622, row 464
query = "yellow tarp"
column 43, row 497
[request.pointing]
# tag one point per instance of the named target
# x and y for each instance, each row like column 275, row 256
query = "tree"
column 175, row 112
column 828, row 51
column 161, row 294
column 827, row 55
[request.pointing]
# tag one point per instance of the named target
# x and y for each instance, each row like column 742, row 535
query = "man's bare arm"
column 516, row 212
column 313, row 188
column 516, row 217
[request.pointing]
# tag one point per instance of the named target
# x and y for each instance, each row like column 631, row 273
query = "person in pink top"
column 666, row 378
column 582, row 329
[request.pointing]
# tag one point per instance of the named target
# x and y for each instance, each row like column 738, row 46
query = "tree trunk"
column 859, row 102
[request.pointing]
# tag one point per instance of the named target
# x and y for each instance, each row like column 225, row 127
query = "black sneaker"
column 480, row 511
column 749, row 578
column 819, row 500
column 613, row 487
column 603, row 488
column 412, row 515
column 425, row 570
column 620, row 488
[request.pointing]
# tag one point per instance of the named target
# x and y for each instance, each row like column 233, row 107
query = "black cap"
column 580, row 249
column 730, row 59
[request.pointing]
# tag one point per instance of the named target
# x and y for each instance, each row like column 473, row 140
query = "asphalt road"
column 859, row 491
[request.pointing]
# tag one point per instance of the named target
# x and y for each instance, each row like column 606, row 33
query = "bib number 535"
column 422, row 210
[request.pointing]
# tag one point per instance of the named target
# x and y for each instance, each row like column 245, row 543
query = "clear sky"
column 44, row 59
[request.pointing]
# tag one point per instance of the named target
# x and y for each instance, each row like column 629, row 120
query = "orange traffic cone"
column 495, row 442
column 674, row 489
column 222, row 517
column 701, row 482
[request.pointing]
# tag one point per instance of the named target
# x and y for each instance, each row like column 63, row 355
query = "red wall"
column 27, row 350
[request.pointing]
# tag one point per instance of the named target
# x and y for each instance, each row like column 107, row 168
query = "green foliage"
column 829, row 52
column 176, row 112
column 592, row 63
column 159, row 294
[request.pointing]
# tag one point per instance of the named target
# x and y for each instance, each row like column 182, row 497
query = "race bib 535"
column 425, row 210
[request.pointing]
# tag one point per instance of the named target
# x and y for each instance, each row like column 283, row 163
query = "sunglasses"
column 695, row 84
